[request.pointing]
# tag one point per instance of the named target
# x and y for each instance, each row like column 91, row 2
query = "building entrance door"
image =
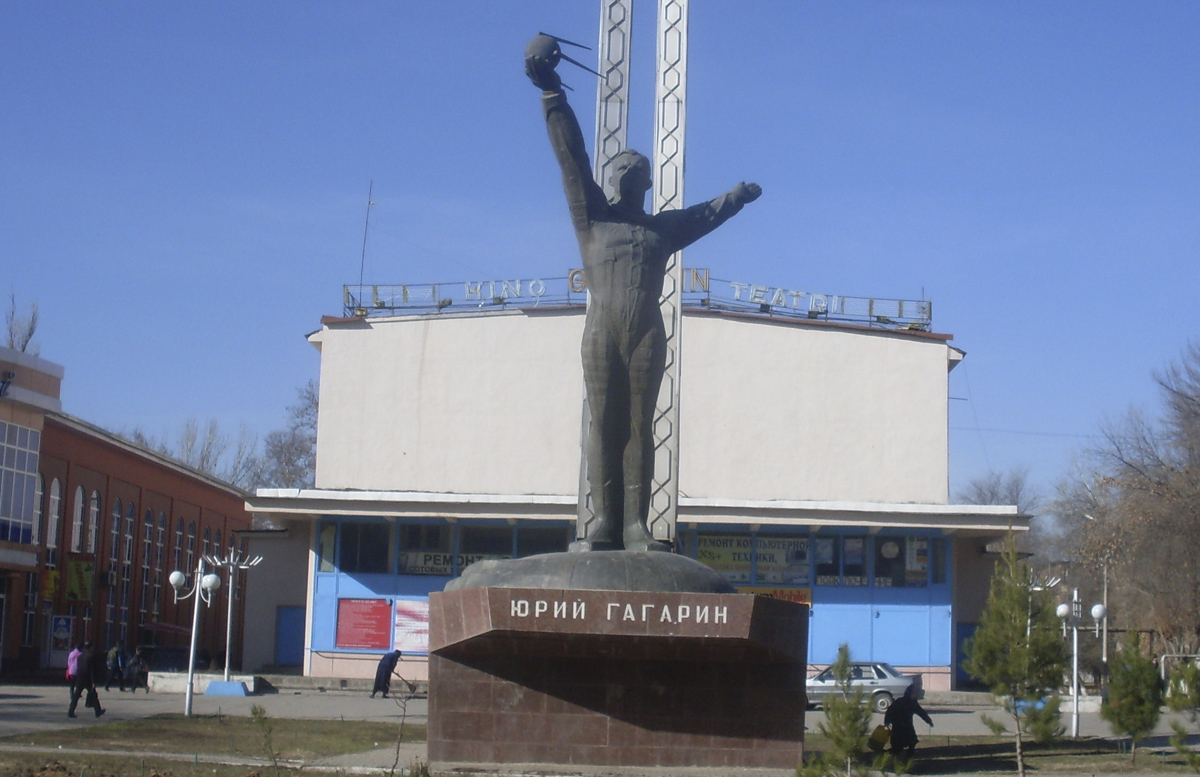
column 289, row 636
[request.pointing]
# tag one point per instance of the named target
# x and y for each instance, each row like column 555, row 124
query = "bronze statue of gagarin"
column 625, row 252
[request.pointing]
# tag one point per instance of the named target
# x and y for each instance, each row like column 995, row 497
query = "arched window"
column 52, row 521
column 36, row 534
column 77, row 521
column 191, row 547
column 177, row 554
column 160, row 541
column 147, row 548
column 93, row 522
column 114, row 549
column 207, row 540
column 216, row 546
column 114, row 534
column 130, row 531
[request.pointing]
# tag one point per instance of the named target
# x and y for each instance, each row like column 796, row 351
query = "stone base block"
column 607, row 678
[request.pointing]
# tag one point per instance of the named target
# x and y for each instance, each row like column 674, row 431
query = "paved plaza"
column 40, row 708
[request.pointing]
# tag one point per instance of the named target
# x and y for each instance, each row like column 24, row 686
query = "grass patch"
column 986, row 755
column 227, row 735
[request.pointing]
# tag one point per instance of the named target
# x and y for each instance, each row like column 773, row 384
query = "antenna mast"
column 366, row 226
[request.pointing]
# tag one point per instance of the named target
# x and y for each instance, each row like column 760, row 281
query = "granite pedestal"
column 522, row 675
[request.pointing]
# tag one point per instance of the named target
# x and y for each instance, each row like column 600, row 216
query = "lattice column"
column 670, row 95
column 612, row 129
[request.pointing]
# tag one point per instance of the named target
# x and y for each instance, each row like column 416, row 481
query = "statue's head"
column 630, row 175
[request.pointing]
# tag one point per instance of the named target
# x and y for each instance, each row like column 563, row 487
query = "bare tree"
column 21, row 328
column 288, row 457
column 207, row 449
column 1002, row 488
column 1013, row 488
column 290, row 454
column 1135, row 511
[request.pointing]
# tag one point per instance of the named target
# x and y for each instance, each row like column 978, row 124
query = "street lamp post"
column 1074, row 611
column 202, row 590
column 233, row 561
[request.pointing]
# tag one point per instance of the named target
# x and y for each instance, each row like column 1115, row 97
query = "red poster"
column 364, row 623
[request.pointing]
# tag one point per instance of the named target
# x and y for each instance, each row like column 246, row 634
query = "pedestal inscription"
column 615, row 678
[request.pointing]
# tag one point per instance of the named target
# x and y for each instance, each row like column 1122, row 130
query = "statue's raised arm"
column 584, row 195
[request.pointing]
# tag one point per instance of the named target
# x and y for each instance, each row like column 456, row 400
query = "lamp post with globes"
column 1074, row 611
column 233, row 561
column 202, row 590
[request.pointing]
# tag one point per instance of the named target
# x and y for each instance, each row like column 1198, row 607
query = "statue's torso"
column 625, row 263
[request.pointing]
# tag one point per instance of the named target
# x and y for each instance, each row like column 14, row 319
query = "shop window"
column 326, row 543
column 827, row 555
column 535, row 540
column 726, row 554
column 854, row 561
column 426, row 549
column 901, row 562
column 365, row 548
column 937, row 560
column 782, row 560
column 479, row 542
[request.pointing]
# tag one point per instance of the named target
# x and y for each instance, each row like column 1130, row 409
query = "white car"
column 881, row 683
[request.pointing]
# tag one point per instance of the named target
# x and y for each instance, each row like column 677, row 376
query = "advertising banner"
column 727, row 556
column 782, row 560
column 81, row 576
column 364, row 623
column 411, row 626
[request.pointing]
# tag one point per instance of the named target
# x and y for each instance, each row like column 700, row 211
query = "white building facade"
column 813, row 467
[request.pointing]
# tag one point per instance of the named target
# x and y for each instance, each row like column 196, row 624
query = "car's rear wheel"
column 881, row 701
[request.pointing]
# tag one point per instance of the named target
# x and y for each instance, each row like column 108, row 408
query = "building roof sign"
column 699, row 291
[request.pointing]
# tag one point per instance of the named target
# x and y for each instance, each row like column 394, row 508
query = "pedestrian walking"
column 899, row 718
column 88, row 666
column 116, row 667
column 136, row 672
column 383, row 674
column 73, row 667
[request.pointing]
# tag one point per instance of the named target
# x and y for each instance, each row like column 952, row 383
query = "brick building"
column 91, row 526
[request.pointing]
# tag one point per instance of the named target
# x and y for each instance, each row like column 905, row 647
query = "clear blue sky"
column 183, row 185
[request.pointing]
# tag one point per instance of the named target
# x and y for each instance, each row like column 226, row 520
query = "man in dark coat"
column 383, row 675
column 899, row 718
column 90, row 666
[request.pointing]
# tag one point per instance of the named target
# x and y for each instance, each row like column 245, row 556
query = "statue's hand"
column 541, row 72
column 747, row 192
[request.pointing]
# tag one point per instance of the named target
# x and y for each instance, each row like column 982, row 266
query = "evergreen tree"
column 846, row 726
column 1184, row 696
column 1134, row 694
column 1016, row 651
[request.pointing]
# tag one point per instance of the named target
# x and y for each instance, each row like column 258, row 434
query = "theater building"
column 92, row 525
column 813, row 466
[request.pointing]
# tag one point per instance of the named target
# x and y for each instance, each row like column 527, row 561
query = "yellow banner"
column 81, row 575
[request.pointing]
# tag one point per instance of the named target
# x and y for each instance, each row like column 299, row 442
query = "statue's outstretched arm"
column 697, row 221
column 584, row 196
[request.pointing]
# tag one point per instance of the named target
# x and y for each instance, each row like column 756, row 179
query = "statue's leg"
column 646, row 365
column 608, row 400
